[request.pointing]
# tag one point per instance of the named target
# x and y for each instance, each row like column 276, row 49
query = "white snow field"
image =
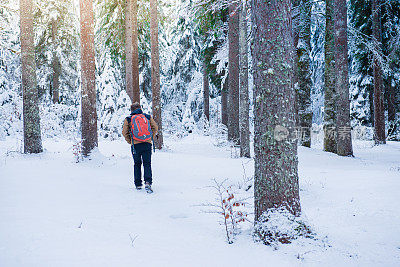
column 55, row 212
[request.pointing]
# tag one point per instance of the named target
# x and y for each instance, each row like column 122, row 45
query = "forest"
column 268, row 131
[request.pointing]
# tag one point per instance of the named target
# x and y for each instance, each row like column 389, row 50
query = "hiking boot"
column 148, row 188
column 139, row 187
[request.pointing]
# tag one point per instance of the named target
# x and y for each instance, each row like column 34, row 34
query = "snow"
column 55, row 212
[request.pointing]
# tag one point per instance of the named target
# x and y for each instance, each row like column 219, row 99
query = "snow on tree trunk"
column 131, row 50
column 379, row 109
column 224, row 101
column 330, row 91
column 206, row 92
column 56, row 66
column 233, row 95
column 155, row 72
column 88, row 106
column 343, row 127
column 244, row 85
column 303, row 70
column 32, row 134
column 275, row 145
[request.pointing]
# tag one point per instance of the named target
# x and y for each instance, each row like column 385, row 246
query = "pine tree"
column 224, row 101
column 330, row 91
column 206, row 92
column 131, row 50
column 343, row 136
column 32, row 135
column 155, row 72
column 379, row 110
column 233, row 93
column 88, row 105
column 303, row 71
column 244, row 84
column 276, row 179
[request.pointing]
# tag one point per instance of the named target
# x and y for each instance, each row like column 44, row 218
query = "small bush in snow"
column 229, row 207
column 280, row 226
column 77, row 150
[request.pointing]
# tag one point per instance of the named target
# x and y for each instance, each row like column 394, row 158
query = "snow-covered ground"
column 55, row 212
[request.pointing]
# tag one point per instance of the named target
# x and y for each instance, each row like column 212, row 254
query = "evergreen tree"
column 32, row 135
column 155, row 72
column 233, row 93
column 343, row 135
column 244, row 84
column 276, row 182
column 88, row 82
column 329, row 84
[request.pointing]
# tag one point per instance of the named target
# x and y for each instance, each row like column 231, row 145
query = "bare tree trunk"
column 233, row 95
column 330, row 91
column 32, row 135
column 155, row 72
column 224, row 102
column 89, row 114
column 343, row 136
column 244, row 86
column 304, row 72
column 206, row 92
column 275, row 145
column 55, row 64
column 131, row 50
column 379, row 109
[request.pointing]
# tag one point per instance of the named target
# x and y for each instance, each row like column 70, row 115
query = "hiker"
column 139, row 130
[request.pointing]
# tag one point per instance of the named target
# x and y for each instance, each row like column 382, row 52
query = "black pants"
column 142, row 153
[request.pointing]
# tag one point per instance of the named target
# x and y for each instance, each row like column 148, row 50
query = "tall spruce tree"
column 32, row 135
column 343, row 135
column 88, row 83
column 379, row 109
column 329, row 85
column 244, row 84
column 131, row 50
column 233, row 92
column 155, row 72
column 275, row 179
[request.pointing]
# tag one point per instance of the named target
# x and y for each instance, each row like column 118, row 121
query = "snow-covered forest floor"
column 55, row 212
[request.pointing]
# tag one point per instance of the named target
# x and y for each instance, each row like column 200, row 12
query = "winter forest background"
column 186, row 36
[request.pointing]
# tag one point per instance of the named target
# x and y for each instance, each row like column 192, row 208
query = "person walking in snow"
column 139, row 129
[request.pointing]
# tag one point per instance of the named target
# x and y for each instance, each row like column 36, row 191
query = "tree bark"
column 131, row 50
column 379, row 109
column 343, row 136
column 224, row 101
column 275, row 145
column 88, row 106
column 32, row 134
column 303, row 72
column 155, row 72
column 55, row 65
column 330, row 91
column 244, row 86
column 206, row 92
column 233, row 95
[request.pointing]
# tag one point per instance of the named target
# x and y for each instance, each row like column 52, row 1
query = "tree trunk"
column 32, row 135
column 206, row 92
column 233, row 95
column 89, row 114
column 275, row 145
column 56, row 66
column 379, row 110
column 224, row 101
column 303, row 75
column 393, row 125
column 244, row 86
column 155, row 72
column 343, row 135
column 131, row 50
column 330, row 91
